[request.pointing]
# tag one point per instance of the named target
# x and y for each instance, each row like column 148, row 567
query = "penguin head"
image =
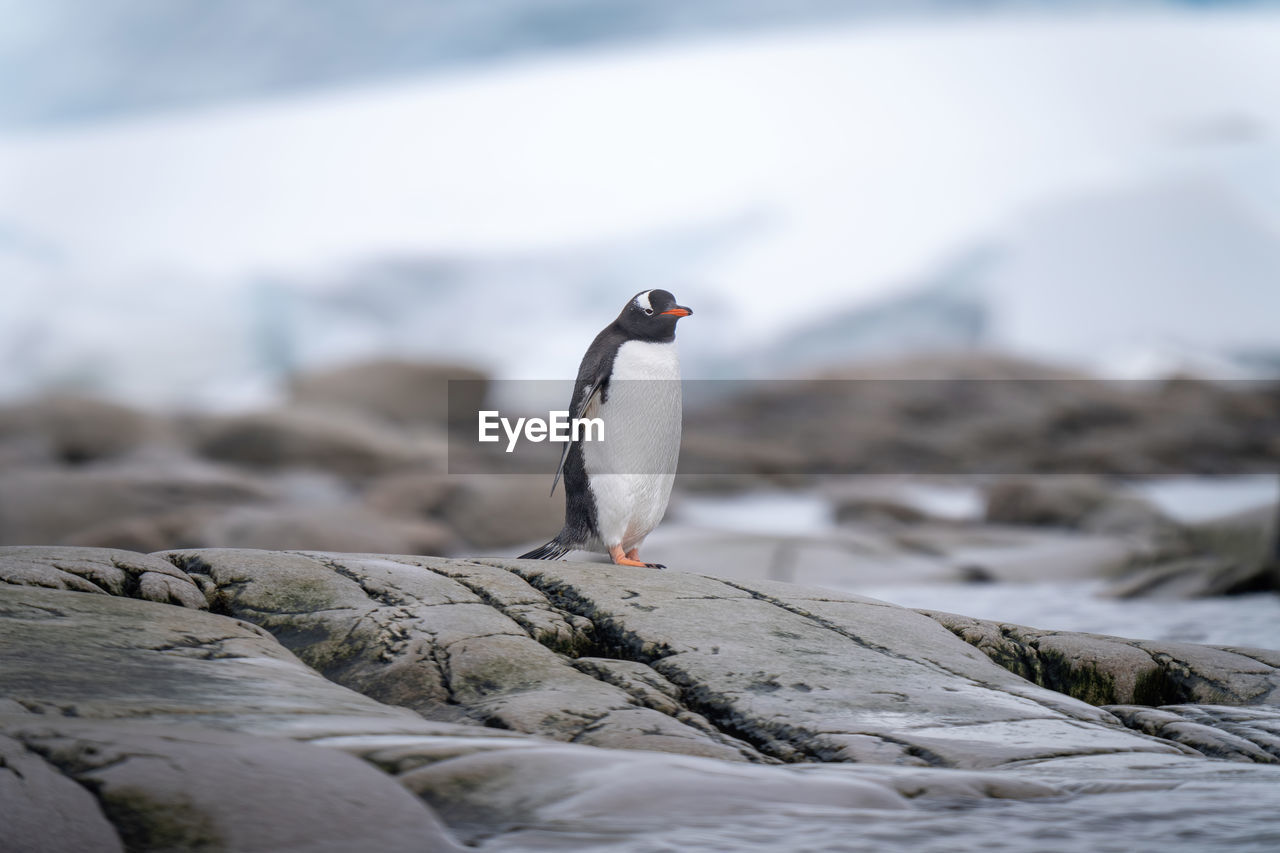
column 651, row 315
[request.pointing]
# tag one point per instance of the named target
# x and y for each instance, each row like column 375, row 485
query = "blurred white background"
column 197, row 200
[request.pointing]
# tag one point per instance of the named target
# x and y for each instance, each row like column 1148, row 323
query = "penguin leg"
column 629, row 558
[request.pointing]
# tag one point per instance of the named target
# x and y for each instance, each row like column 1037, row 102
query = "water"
column 1192, row 499
column 768, row 513
column 1231, row 807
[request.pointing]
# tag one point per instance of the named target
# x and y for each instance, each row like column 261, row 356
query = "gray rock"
column 43, row 811
column 952, row 418
column 1106, row 670
column 191, row 788
column 181, row 528
column 99, row 570
column 1051, row 501
column 401, row 392
column 483, row 793
column 410, row 494
column 1236, row 734
column 186, row 727
column 180, row 722
column 877, row 510
column 452, row 640
column 499, row 511
column 1224, row 556
column 343, row 443
column 814, row 675
column 56, row 506
column 336, row 528
column 72, row 429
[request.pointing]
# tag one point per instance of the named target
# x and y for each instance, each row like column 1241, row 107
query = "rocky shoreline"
column 266, row 700
column 367, row 458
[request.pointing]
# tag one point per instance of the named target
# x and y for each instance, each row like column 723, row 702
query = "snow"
column 845, row 164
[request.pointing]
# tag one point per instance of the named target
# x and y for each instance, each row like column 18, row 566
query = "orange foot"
column 629, row 558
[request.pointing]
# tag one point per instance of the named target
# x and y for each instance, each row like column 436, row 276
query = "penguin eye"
column 648, row 311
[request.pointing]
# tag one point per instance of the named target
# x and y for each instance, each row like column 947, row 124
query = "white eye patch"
column 642, row 301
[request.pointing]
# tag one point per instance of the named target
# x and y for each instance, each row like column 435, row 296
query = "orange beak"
column 678, row 311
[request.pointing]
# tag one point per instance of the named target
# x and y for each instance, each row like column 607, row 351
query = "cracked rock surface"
column 1113, row 670
column 1126, row 677
column 100, row 570
column 312, row 701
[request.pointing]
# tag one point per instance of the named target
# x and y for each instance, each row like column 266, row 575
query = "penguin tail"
column 553, row 550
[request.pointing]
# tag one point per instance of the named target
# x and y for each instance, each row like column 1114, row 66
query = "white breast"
column 632, row 470
column 646, row 360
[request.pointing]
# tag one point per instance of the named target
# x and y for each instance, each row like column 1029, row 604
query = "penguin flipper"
column 553, row 550
column 584, row 402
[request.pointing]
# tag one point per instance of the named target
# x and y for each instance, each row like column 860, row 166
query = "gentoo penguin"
column 616, row 490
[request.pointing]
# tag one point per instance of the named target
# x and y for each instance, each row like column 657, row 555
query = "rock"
column 453, row 641
column 1085, row 503
column 1106, row 670
column 343, row 443
column 501, row 511
column 1236, row 734
column 1225, row 556
column 56, row 506
column 400, row 392
column 183, row 528
column 978, row 414
column 88, row 660
column 465, row 641
column 178, row 723
column 718, row 460
column 470, row 791
column 188, row 727
column 877, row 510
column 815, row 675
column 410, row 494
column 99, row 570
column 202, row 789
column 487, row 511
column 1058, row 501
column 340, row 528
column 43, row 811
column 73, row 430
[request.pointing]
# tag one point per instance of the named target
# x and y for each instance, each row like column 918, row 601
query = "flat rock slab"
column 456, row 641
column 133, row 724
column 189, row 788
column 609, row 656
column 814, row 675
column 43, row 811
column 128, row 724
column 74, row 655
